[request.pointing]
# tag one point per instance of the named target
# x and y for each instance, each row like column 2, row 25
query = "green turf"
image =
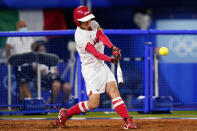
column 174, row 114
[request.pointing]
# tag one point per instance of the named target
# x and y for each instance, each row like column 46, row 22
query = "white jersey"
column 95, row 72
column 82, row 37
column 20, row 44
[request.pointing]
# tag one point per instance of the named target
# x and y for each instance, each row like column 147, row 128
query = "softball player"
column 90, row 41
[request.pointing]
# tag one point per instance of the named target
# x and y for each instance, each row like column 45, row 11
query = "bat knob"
column 120, row 84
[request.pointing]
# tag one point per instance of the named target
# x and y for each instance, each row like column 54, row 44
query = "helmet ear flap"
column 77, row 22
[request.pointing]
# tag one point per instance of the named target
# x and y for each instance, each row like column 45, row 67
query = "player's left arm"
column 103, row 38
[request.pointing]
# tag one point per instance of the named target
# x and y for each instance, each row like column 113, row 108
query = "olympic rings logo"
column 183, row 46
column 13, row 86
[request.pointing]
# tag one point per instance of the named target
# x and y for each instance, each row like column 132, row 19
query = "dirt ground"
column 99, row 125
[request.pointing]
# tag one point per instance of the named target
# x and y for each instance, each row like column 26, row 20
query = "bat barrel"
column 119, row 70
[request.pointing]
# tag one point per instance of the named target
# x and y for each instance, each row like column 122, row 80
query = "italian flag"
column 37, row 20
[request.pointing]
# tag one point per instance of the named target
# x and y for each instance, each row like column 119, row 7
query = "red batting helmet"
column 83, row 14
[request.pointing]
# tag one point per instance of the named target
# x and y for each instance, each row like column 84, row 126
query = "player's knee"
column 93, row 101
column 93, row 106
column 114, row 85
column 114, row 89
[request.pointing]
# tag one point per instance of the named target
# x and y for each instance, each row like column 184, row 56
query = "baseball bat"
column 119, row 75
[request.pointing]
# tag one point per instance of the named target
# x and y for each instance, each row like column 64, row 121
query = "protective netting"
column 176, row 71
column 55, row 55
column 151, row 82
column 132, row 65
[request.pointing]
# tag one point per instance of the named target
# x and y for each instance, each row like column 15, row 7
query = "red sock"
column 78, row 108
column 120, row 107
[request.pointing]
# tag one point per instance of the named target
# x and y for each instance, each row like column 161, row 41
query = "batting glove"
column 116, row 52
column 114, row 60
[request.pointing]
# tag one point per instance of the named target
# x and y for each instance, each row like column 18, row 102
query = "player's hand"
column 116, row 52
column 114, row 60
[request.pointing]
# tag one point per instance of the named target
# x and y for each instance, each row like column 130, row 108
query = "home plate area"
column 145, row 124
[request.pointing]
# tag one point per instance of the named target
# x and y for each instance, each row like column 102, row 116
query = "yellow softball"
column 163, row 51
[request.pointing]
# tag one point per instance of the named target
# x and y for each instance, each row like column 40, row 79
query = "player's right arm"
column 91, row 49
column 105, row 40
column 100, row 35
